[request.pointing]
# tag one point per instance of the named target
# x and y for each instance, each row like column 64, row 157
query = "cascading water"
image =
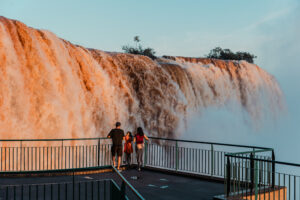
column 51, row 88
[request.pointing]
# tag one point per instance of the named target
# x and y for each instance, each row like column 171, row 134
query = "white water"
column 50, row 88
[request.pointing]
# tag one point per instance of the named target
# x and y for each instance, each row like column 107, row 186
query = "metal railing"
column 186, row 156
column 75, row 190
column 254, row 177
column 46, row 155
column 127, row 191
column 95, row 189
column 239, row 169
column 54, row 154
column 197, row 157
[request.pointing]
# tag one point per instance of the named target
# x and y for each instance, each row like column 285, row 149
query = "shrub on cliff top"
column 139, row 50
column 227, row 54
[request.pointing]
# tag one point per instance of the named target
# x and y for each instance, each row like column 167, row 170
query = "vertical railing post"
column 251, row 172
column 273, row 169
column 62, row 153
column 212, row 159
column 99, row 152
column 176, row 156
column 256, row 179
column 145, row 153
column 21, row 152
column 228, row 181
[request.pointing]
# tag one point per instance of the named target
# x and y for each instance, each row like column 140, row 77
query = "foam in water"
column 51, row 88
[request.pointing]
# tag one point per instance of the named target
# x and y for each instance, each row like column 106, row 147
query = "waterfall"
column 50, row 88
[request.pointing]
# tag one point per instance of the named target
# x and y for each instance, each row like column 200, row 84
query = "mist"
column 278, row 54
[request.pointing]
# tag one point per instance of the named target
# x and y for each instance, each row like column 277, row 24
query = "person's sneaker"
column 139, row 169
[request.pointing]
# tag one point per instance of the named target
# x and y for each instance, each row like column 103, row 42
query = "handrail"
column 265, row 160
column 128, row 184
column 212, row 143
column 245, row 152
column 40, row 140
column 259, row 168
column 156, row 138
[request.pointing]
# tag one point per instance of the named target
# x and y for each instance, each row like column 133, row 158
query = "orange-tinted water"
column 50, row 88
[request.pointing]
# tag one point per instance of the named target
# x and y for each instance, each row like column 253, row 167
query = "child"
column 128, row 148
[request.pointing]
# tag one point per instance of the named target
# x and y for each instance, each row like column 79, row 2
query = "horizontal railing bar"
column 254, row 151
column 56, row 170
column 156, row 138
column 270, row 161
column 58, row 183
column 128, row 184
column 213, row 143
column 41, row 140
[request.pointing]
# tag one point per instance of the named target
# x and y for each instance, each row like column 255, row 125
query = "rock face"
column 50, row 88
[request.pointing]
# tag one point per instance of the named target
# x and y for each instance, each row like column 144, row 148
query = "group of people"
column 117, row 135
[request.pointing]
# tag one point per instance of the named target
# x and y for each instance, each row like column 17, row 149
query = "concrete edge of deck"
column 67, row 172
column 279, row 192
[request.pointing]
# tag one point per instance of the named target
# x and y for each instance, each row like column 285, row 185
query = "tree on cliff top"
column 227, row 54
column 137, row 40
column 139, row 50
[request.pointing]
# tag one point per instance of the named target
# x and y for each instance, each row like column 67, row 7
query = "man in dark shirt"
column 117, row 136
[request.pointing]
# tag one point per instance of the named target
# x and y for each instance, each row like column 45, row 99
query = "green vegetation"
column 218, row 52
column 227, row 54
column 138, row 49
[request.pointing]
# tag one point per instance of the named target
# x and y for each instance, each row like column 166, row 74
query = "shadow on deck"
column 151, row 184
column 159, row 185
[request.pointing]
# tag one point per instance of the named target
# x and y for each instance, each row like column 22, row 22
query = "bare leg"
column 129, row 160
column 119, row 161
column 114, row 160
column 139, row 156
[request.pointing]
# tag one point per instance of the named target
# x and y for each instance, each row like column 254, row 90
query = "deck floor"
column 151, row 184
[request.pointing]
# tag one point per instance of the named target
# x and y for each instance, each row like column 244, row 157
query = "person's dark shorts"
column 116, row 149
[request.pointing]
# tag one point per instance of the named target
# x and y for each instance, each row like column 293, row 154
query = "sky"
column 269, row 29
column 172, row 27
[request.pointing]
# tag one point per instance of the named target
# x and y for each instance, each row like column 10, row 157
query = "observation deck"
column 173, row 169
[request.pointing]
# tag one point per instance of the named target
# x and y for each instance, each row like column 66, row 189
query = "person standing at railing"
column 139, row 140
column 128, row 150
column 117, row 136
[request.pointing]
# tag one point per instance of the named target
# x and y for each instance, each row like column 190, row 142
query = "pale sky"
column 172, row 27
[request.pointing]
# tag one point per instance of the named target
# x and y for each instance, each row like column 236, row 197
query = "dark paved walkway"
column 151, row 184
